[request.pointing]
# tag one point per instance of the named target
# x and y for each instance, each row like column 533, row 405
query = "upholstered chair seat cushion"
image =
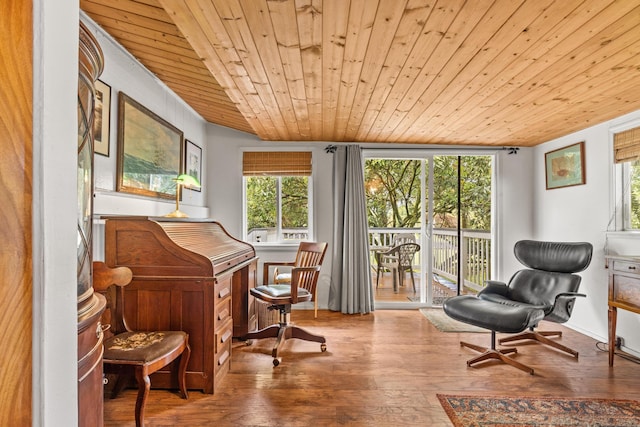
column 493, row 315
column 142, row 346
column 281, row 291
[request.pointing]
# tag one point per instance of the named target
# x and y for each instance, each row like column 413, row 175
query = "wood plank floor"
column 380, row 369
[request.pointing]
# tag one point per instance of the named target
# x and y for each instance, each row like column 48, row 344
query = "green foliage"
column 476, row 192
column 295, row 202
column 262, row 201
column 392, row 189
column 393, row 192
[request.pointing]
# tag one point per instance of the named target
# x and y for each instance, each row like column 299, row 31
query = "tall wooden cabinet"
column 90, row 304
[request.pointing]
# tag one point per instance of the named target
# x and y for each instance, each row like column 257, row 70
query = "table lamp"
column 187, row 181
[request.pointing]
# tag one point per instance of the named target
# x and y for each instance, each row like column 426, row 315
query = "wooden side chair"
column 139, row 354
column 304, row 280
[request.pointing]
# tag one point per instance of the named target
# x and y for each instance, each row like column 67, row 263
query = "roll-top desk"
column 624, row 292
column 190, row 275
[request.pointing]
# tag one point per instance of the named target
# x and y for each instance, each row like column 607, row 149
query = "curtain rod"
column 511, row 150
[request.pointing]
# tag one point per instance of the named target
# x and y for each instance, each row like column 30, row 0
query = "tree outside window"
column 277, row 208
column 393, row 192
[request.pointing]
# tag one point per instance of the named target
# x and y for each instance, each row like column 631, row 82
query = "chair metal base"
column 493, row 353
column 541, row 336
column 285, row 330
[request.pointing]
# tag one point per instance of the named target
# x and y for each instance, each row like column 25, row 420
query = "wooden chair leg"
column 270, row 331
column 282, row 336
column 300, row 333
column 182, row 372
column 144, row 384
column 315, row 304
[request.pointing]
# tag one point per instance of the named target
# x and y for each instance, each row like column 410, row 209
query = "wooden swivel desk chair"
column 308, row 255
column 304, row 280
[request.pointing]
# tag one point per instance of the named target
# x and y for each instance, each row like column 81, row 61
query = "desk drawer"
column 626, row 267
column 223, row 312
column 224, row 338
column 626, row 292
column 222, row 288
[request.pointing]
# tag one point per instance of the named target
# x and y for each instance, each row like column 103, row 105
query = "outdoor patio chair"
column 399, row 260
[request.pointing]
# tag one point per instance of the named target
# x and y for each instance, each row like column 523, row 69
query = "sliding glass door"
column 444, row 203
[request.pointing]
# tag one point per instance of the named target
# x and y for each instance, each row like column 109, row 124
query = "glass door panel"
column 445, row 203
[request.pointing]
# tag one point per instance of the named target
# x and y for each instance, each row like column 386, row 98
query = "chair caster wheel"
column 323, row 347
column 248, row 342
column 276, row 361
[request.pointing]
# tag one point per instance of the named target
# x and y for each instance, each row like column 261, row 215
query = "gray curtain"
column 350, row 291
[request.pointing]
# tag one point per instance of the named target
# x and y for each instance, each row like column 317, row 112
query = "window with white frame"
column 277, row 194
column 626, row 147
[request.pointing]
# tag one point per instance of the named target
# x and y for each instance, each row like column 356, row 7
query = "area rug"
column 445, row 323
column 476, row 411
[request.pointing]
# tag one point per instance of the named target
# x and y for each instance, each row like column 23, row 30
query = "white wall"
column 583, row 213
column 514, row 215
column 125, row 74
column 224, row 166
column 55, row 312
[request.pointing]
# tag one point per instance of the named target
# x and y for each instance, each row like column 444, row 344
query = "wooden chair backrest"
column 111, row 282
column 310, row 253
column 307, row 265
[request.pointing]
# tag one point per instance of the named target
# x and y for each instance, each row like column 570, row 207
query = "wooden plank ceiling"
column 480, row 72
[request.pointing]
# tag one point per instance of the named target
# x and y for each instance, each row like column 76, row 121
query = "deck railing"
column 475, row 256
column 265, row 235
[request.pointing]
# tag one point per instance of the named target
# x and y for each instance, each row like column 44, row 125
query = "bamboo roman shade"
column 276, row 163
column 626, row 145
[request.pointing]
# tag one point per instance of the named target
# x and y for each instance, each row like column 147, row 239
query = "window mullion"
column 279, row 210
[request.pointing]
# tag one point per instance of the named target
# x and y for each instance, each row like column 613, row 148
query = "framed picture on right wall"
column 564, row 167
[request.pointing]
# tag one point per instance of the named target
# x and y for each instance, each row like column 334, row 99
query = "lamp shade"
column 187, row 181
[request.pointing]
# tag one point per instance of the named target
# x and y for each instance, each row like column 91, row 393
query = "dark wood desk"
column 188, row 275
column 624, row 292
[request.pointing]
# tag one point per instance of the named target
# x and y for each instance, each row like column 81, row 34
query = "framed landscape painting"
column 149, row 151
column 193, row 162
column 565, row 166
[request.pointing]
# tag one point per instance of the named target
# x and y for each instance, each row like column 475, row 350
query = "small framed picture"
column 102, row 119
column 565, row 166
column 193, row 162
